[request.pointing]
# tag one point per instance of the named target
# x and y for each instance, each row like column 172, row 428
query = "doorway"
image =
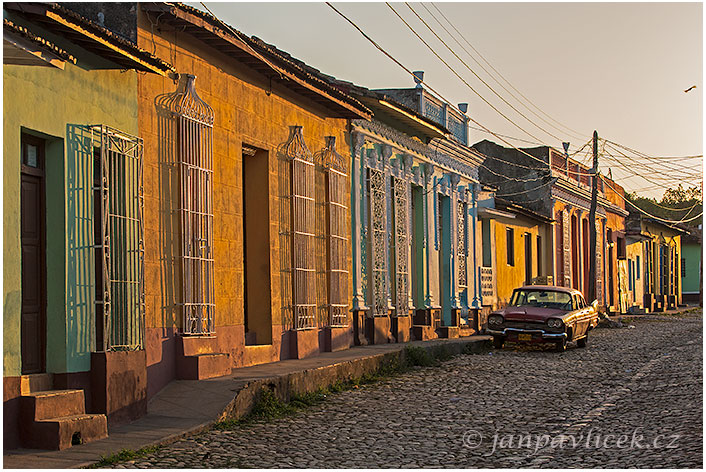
column 256, row 246
column 528, row 258
column 417, row 246
column 574, row 252
column 32, row 230
column 445, row 276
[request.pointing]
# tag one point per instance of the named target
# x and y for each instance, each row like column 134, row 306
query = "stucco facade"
column 56, row 115
column 256, row 121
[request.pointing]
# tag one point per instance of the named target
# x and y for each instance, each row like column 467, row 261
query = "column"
column 357, row 183
column 428, row 170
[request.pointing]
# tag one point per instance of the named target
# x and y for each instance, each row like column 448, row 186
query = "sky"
column 618, row 68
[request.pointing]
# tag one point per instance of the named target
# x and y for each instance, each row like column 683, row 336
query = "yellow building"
column 246, row 200
column 516, row 249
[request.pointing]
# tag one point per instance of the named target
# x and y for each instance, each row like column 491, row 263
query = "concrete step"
column 203, row 366
column 36, row 383
column 63, row 432
column 45, row 404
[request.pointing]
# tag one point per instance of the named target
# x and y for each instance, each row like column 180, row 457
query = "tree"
column 676, row 204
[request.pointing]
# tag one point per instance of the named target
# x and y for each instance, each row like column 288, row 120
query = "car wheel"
column 561, row 345
column 582, row 342
column 498, row 342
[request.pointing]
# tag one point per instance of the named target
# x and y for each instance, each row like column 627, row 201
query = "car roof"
column 552, row 288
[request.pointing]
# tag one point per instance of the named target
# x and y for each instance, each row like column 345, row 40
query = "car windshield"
column 542, row 299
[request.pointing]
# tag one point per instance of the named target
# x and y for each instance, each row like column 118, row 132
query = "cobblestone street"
column 632, row 398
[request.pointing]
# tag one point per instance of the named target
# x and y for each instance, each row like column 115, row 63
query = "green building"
column 72, row 191
column 691, row 266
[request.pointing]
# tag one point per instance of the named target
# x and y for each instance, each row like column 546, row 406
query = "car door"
column 583, row 316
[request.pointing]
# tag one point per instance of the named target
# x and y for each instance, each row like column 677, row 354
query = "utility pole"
column 592, row 272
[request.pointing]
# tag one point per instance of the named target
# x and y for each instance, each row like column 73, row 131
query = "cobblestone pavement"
column 632, row 398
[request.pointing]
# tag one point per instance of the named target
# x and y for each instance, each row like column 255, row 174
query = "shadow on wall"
column 80, row 260
column 285, row 236
column 169, row 239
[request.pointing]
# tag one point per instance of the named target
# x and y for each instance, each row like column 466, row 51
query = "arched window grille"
column 118, row 163
column 401, row 246
column 302, row 201
column 462, row 245
column 378, row 236
column 195, row 159
column 337, row 197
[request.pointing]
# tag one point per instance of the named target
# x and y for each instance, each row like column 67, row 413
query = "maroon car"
column 544, row 314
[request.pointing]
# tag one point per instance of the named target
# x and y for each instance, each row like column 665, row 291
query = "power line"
column 654, row 157
column 652, row 170
column 649, row 214
column 498, row 72
column 392, row 58
column 472, row 71
column 459, row 76
column 422, row 82
column 486, row 70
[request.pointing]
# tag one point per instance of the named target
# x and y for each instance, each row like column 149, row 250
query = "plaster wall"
column 247, row 110
column 57, row 105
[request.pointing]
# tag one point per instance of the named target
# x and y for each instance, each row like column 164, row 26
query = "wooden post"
column 592, row 272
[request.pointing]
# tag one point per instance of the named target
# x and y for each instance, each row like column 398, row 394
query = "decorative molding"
column 358, row 143
column 402, row 140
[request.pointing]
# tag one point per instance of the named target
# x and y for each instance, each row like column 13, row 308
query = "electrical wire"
column 406, row 69
column 489, row 74
column 649, row 214
column 676, row 178
column 471, row 70
column 500, row 75
column 679, row 168
column 459, row 76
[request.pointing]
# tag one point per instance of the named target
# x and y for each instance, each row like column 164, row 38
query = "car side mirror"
column 594, row 304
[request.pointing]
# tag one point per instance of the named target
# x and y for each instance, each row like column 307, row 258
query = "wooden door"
column 33, row 319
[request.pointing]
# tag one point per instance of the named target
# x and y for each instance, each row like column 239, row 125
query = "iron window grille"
column 378, row 236
column 401, row 246
column 336, row 233
column 462, row 244
column 195, row 159
column 302, row 221
column 121, row 244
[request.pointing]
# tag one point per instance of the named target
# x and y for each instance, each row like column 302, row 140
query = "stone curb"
column 310, row 380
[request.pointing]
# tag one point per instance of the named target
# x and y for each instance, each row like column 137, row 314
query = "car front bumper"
column 536, row 333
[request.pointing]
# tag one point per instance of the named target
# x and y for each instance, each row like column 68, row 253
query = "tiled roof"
column 277, row 57
column 92, row 36
column 9, row 26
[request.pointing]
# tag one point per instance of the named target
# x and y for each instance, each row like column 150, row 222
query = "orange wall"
column 244, row 113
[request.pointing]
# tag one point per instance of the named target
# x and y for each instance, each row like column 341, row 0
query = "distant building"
column 558, row 188
column 661, row 261
column 415, row 203
column 692, row 266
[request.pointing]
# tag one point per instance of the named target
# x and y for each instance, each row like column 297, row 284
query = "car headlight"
column 554, row 323
column 495, row 320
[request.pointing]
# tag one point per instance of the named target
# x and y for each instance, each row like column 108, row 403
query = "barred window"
column 195, row 159
column 119, row 239
column 401, row 244
column 337, row 233
column 462, row 244
column 378, row 234
column 301, row 224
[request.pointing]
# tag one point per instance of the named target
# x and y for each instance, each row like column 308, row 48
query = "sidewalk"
column 188, row 406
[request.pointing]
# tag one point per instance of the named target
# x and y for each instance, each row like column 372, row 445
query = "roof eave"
column 180, row 13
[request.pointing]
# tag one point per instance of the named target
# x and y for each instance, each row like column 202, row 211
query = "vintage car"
column 544, row 314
